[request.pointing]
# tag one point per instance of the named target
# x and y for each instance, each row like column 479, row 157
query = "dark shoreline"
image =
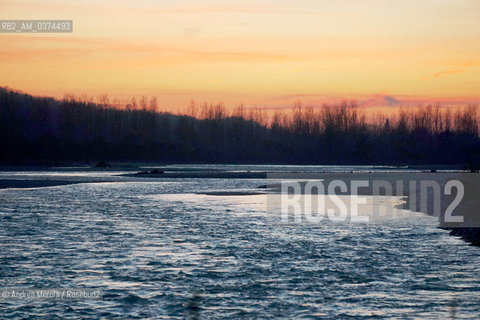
column 36, row 165
column 43, row 183
column 19, row 183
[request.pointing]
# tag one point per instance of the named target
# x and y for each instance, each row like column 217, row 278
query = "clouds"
column 391, row 101
column 464, row 67
column 342, row 49
column 443, row 73
column 53, row 48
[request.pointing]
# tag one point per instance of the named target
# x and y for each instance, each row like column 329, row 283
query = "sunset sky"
column 270, row 53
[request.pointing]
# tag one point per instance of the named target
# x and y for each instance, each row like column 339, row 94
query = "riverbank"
column 20, row 183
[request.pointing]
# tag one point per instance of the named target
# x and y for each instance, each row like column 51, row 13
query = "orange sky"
column 268, row 53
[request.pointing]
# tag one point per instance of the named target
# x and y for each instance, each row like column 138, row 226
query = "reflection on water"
column 162, row 250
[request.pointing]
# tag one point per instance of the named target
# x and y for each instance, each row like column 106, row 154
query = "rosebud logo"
column 300, row 198
column 337, row 200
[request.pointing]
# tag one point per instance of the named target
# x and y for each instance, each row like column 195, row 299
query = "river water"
column 164, row 249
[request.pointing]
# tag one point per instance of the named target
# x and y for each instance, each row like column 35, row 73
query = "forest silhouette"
column 36, row 129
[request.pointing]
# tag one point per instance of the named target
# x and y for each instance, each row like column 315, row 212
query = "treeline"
column 46, row 129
